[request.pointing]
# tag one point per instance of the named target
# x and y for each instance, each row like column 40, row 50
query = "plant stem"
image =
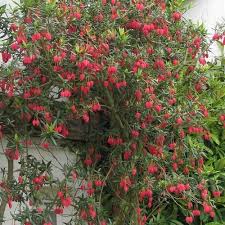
column 4, row 197
column 116, row 115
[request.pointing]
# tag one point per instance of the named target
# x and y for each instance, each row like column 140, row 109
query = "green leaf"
column 220, row 164
column 175, row 222
column 215, row 138
column 30, row 3
column 53, row 140
column 220, row 199
column 214, row 223
column 2, row 9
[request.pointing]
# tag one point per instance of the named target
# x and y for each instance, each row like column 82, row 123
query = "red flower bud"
column 189, row 219
column 176, row 16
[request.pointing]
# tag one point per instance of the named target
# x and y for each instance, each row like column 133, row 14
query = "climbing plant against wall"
column 127, row 73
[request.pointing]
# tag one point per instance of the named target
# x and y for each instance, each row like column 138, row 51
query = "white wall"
column 60, row 157
column 209, row 12
column 8, row 2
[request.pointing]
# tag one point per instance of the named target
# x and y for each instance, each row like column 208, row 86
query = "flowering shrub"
column 127, row 70
column 213, row 98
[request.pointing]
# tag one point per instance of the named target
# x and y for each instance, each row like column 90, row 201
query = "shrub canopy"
column 128, row 75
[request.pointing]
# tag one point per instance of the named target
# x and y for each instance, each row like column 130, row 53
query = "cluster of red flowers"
column 12, row 154
column 222, row 119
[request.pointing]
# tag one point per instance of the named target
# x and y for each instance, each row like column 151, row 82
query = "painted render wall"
column 61, row 157
column 207, row 11
column 210, row 12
